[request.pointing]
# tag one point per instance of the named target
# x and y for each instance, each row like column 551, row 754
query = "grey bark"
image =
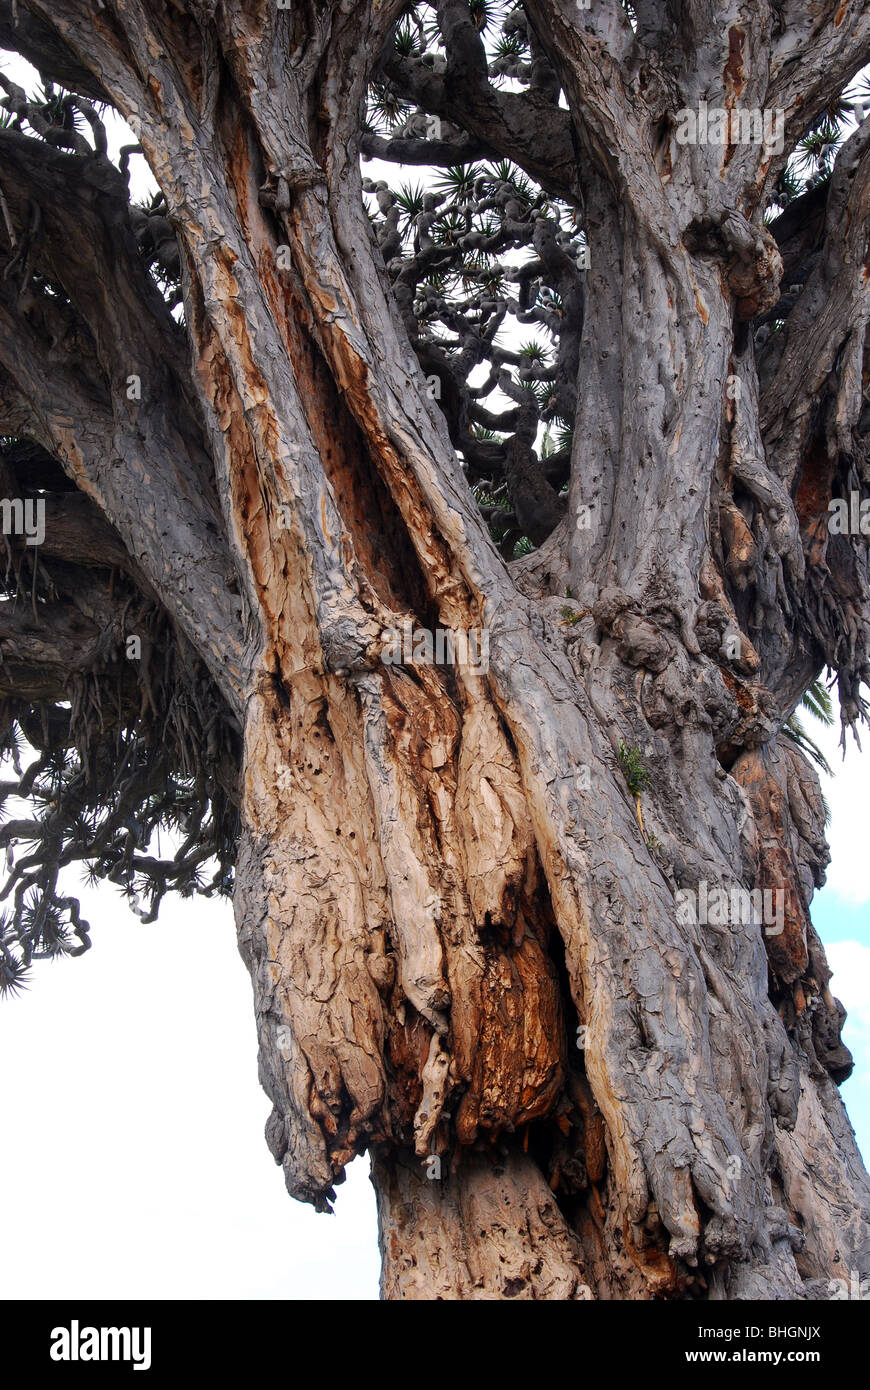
column 440, row 882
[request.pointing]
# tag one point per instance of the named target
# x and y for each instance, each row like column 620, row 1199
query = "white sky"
column 132, row 1155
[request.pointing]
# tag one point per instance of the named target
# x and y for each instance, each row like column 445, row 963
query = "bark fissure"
column 462, row 919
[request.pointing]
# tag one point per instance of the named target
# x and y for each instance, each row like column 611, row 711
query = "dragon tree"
column 542, row 327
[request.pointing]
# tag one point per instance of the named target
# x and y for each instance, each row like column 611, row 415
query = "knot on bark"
column 641, row 641
column 609, row 608
column 644, row 644
column 755, row 269
column 753, row 266
column 276, row 192
column 720, row 638
column 827, row 1018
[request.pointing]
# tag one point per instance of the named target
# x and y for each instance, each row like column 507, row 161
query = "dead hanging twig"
column 24, row 259
column 100, row 793
column 4, row 208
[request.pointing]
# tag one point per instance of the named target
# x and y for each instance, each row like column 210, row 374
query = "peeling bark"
column 462, row 923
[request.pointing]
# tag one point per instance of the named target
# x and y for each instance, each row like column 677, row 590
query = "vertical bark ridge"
column 438, row 865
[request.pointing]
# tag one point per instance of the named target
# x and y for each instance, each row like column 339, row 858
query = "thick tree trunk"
column 466, row 944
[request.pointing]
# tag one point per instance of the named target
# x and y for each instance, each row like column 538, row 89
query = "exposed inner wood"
column 460, row 921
